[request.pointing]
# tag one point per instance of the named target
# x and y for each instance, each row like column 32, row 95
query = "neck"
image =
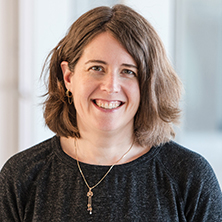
column 103, row 155
column 103, row 148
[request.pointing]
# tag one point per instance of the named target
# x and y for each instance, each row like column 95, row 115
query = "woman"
column 112, row 100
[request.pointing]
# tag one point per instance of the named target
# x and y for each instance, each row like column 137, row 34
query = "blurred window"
column 199, row 44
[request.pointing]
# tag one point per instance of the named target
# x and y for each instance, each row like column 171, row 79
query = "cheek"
column 134, row 91
column 82, row 91
column 133, row 94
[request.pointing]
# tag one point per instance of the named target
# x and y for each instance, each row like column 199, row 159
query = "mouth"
column 107, row 104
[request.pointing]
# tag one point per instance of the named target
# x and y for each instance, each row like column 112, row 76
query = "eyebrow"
column 103, row 62
column 129, row 65
column 96, row 61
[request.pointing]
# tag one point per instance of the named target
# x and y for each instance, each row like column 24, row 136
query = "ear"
column 66, row 73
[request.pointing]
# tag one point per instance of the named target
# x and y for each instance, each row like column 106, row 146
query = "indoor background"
column 191, row 31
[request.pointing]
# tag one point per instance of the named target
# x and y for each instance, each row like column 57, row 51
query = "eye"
column 97, row 68
column 128, row 72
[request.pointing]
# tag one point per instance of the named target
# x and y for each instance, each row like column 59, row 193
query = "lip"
column 121, row 103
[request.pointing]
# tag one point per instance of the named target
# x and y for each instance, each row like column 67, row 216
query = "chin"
column 107, row 128
column 111, row 126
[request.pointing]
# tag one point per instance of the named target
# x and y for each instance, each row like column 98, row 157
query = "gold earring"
column 69, row 96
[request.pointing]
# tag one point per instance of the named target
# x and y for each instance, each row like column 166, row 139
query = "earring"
column 69, row 96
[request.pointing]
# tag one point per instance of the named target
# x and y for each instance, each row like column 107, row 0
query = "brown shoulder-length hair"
column 160, row 87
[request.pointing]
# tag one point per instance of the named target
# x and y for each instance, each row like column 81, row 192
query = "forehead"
column 105, row 46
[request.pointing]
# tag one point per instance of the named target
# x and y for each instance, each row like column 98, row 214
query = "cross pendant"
column 89, row 195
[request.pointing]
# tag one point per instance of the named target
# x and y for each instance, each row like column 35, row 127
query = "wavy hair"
column 160, row 87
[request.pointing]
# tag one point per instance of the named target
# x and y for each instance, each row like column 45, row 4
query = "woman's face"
column 104, row 86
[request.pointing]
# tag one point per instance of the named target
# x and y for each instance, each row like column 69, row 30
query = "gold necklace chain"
column 90, row 193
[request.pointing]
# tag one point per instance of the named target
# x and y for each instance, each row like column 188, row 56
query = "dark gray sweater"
column 169, row 183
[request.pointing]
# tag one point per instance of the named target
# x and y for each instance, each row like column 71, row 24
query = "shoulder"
column 193, row 178
column 186, row 167
column 21, row 174
column 179, row 160
column 188, row 170
column 31, row 159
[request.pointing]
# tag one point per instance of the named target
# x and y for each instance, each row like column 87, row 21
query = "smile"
column 106, row 104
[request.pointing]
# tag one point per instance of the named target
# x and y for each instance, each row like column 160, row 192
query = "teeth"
column 107, row 105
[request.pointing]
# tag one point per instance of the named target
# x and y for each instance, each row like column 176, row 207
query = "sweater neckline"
column 65, row 158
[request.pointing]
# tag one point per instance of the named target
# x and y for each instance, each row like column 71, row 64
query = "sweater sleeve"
column 17, row 178
column 9, row 197
column 204, row 200
column 196, row 184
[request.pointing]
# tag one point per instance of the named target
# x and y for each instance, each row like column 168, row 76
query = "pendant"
column 89, row 195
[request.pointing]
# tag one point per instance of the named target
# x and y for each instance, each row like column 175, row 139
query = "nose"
column 111, row 83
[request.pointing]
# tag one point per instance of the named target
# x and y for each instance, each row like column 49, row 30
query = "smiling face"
column 104, row 85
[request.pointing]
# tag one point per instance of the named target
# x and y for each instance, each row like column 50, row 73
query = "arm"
column 205, row 199
column 9, row 197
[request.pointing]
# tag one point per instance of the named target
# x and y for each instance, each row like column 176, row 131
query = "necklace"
column 90, row 193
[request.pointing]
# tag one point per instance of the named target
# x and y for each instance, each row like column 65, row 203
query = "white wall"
column 8, row 78
column 198, row 60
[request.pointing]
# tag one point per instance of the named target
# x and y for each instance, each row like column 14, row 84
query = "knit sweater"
column 168, row 183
